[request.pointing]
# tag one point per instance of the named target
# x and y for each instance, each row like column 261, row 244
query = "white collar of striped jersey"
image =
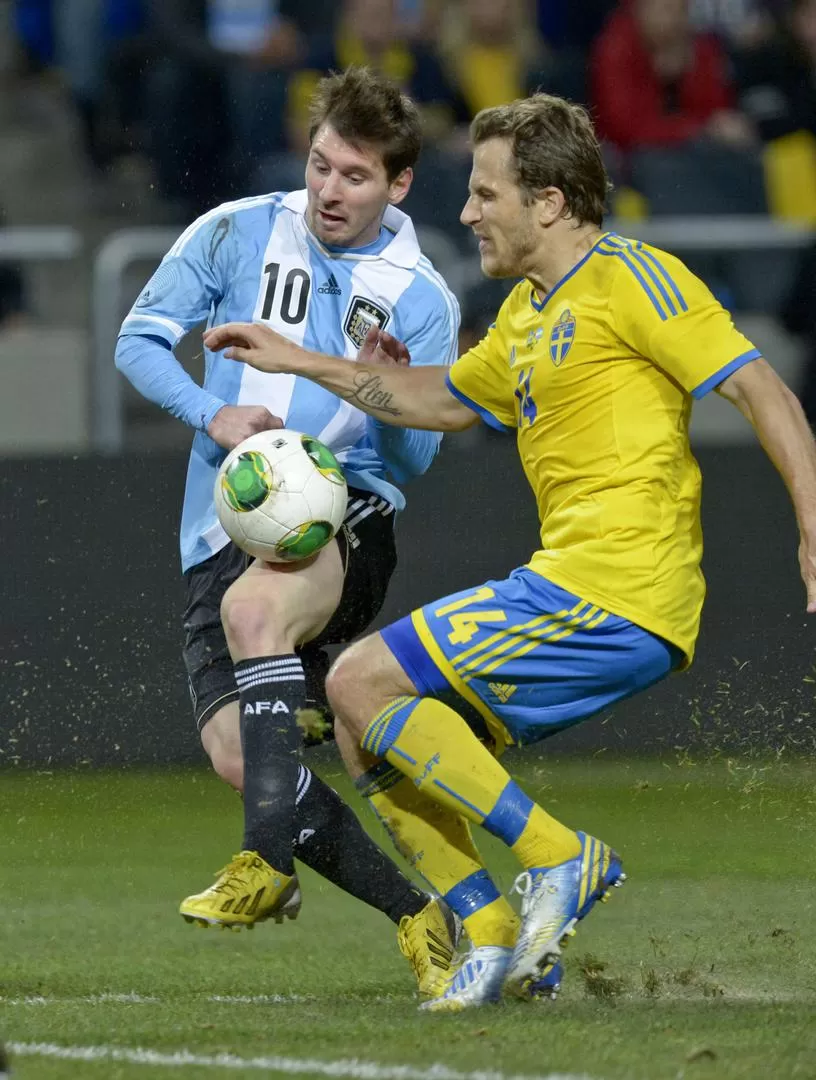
column 402, row 251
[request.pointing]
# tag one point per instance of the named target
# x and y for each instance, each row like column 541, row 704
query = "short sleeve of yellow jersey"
column 481, row 379
column 665, row 313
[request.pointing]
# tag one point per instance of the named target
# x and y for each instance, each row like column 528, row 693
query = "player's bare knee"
column 241, row 614
column 347, row 689
column 340, row 690
column 248, row 619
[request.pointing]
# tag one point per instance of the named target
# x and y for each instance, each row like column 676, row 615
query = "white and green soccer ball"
column 280, row 495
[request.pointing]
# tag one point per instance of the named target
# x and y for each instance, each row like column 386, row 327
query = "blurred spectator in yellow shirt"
column 491, row 48
column 777, row 89
column 370, row 33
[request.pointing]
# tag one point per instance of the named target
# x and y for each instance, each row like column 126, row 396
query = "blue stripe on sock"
column 396, row 724
column 509, row 816
column 471, row 895
column 401, row 753
column 381, row 733
column 459, row 797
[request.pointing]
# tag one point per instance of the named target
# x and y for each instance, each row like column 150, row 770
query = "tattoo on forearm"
column 369, row 394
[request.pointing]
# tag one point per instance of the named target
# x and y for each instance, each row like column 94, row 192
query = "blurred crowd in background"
column 718, row 94
column 703, row 106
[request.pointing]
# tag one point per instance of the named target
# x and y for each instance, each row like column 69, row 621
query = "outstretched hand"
column 234, row 423
column 251, row 343
column 263, row 348
column 382, row 348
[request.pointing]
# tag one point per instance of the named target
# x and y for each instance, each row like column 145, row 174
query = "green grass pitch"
column 703, row 966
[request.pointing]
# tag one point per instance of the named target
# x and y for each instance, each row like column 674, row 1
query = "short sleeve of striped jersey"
column 188, row 281
column 665, row 313
column 481, row 379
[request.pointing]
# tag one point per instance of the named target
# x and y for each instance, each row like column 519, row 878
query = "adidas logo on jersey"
column 502, row 691
column 330, row 286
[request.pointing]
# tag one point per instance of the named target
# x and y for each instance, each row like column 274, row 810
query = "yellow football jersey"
column 598, row 380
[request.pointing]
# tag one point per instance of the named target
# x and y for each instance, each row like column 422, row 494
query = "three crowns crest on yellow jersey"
column 561, row 339
column 562, row 336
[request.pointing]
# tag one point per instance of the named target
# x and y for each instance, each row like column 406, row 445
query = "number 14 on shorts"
column 465, row 623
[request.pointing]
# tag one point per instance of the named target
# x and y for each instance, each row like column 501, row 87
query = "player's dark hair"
column 554, row 145
column 364, row 107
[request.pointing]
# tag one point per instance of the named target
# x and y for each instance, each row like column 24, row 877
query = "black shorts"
column 369, row 555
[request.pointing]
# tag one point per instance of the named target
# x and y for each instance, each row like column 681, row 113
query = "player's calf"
column 221, row 739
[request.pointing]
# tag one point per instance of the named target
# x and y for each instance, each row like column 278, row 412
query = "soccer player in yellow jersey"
column 594, row 360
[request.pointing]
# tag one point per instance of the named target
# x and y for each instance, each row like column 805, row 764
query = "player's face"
column 348, row 190
column 497, row 214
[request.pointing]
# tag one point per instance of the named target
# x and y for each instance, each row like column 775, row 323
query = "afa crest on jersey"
column 562, row 336
column 362, row 315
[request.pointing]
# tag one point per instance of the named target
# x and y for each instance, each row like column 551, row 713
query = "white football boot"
column 478, row 980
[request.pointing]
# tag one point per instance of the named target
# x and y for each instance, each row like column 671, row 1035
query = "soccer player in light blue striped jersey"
column 335, row 267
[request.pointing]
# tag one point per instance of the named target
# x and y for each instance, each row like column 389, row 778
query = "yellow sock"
column 435, row 842
column 430, row 743
column 438, row 844
column 494, row 924
column 544, row 841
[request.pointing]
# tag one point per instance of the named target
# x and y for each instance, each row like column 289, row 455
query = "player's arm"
column 149, row 364
column 427, row 317
column 178, row 297
column 777, row 417
column 416, row 397
column 405, row 452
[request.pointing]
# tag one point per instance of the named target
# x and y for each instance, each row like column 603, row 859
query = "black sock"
column 328, row 838
column 271, row 689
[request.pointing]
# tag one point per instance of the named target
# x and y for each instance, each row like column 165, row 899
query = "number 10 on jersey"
column 294, row 294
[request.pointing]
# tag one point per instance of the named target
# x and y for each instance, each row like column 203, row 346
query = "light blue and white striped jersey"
column 256, row 260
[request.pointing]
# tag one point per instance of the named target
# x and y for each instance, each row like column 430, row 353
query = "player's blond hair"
column 554, row 145
column 365, row 107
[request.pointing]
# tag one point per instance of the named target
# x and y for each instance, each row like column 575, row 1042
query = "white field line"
column 357, row 1070
column 730, row 994
column 147, row 999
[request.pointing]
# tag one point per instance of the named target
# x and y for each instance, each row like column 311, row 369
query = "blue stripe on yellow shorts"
column 523, row 658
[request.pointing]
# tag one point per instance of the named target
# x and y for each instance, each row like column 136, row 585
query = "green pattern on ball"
column 247, row 483
column 304, row 541
column 323, row 459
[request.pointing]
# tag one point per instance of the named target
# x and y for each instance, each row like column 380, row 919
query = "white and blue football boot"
column 546, row 985
column 553, row 900
column 478, row 981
